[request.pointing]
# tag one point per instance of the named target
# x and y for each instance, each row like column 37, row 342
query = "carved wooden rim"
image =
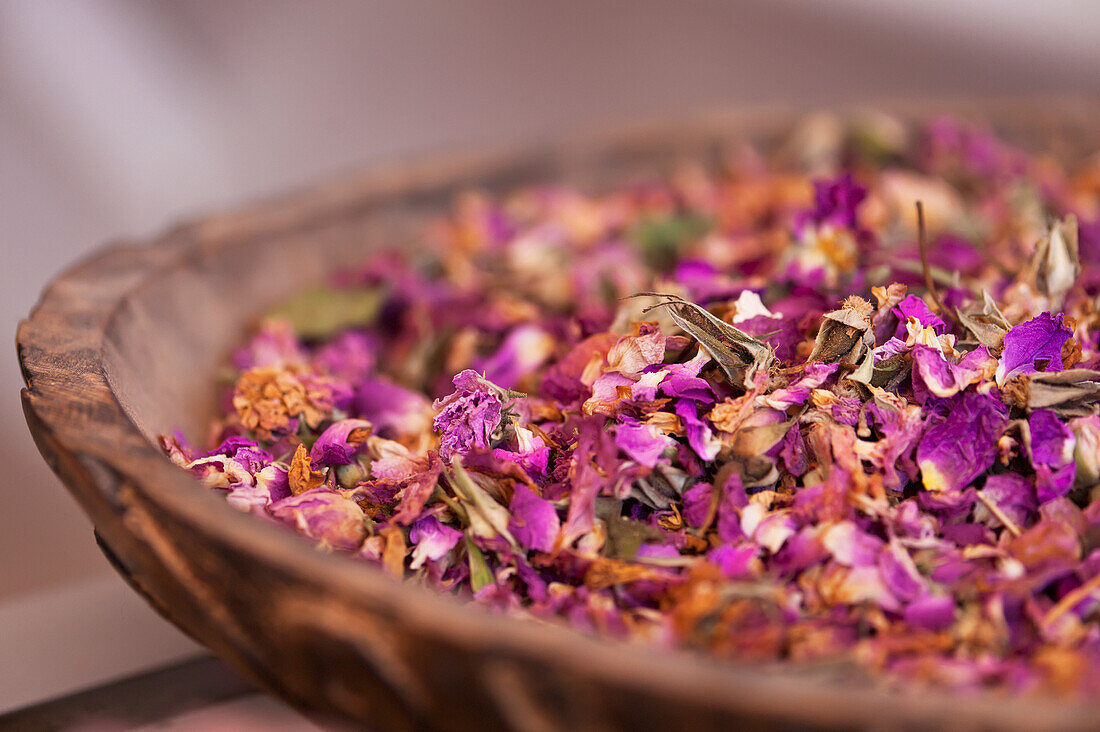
column 124, row 483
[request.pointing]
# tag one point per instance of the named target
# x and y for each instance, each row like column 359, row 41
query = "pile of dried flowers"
column 832, row 434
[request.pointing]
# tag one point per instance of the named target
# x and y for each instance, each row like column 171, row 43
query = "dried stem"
column 922, row 243
column 1001, row 515
column 1071, row 599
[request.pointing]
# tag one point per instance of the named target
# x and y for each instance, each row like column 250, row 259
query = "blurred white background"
column 119, row 118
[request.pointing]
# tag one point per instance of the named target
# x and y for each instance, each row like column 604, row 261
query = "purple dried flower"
column 836, row 202
column 468, row 417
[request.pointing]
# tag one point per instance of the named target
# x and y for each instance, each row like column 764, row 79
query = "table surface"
column 201, row 693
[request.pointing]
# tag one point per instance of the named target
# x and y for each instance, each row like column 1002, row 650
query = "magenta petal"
column 957, row 450
column 1013, row 494
column 931, row 613
column 814, row 376
column 534, row 521
column 700, row 436
column 431, row 540
column 657, row 551
column 522, row 352
column 324, row 516
column 899, row 574
column 1029, row 345
column 1052, row 454
column 697, row 500
column 332, row 446
column 734, row 562
column 944, row 379
column 914, row 307
column 641, row 442
column 390, row 407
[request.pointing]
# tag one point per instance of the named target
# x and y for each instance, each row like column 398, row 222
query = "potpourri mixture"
column 762, row 407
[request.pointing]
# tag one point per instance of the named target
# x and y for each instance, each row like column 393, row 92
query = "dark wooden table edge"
column 140, row 699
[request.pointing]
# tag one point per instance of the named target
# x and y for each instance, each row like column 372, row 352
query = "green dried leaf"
column 661, row 239
column 480, row 574
column 487, row 517
column 624, row 536
column 739, row 355
column 888, row 370
column 865, row 372
column 321, row 312
column 987, row 325
column 1069, row 393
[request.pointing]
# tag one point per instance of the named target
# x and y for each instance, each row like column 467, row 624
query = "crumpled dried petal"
column 962, row 446
column 943, row 378
column 914, row 307
column 642, row 442
column 431, row 541
column 1052, row 446
column 340, row 441
column 534, row 521
column 1033, row 346
column 301, row 476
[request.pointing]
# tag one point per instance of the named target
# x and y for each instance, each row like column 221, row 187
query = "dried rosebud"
column 327, row 517
column 269, row 399
column 338, row 444
column 1057, row 261
column 468, row 417
column 739, row 355
column 845, row 333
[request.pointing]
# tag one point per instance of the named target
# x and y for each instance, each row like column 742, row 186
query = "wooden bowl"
column 126, row 344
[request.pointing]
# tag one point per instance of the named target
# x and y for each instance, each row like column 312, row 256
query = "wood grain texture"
column 126, row 344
